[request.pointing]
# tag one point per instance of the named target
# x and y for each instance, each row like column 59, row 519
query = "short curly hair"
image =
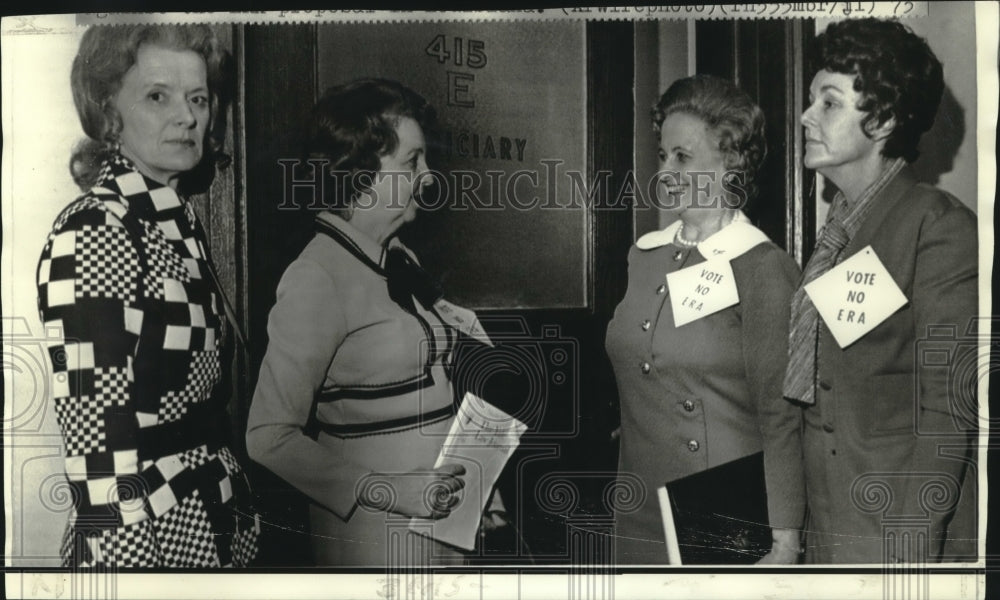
column 106, row 54
column 729, row 113
column 353, row 125
column 896, row 74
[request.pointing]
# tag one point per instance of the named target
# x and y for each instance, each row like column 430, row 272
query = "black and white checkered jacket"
column 125, row 281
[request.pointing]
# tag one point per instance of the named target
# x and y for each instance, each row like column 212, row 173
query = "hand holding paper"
column 430, row 493
column 481, row 439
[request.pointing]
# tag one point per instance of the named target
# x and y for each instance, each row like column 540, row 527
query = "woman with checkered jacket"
column 126, row 278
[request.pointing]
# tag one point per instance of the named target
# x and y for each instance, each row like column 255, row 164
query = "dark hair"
column 105, row 56
column 353, row 125
column 896, row 74
column 729, row 113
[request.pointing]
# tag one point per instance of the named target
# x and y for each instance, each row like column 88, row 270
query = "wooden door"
column 767, row 59
column 279, row 83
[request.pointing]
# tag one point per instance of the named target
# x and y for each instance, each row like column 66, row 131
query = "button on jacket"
column 888, row 420
column 708, row 392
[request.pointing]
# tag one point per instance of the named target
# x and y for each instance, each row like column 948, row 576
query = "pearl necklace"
column 680, row 238
column 681, row 241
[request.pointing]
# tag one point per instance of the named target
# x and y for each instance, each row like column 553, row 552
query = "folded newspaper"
column 481, row 439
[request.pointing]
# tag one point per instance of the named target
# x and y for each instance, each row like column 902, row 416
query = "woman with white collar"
column 699, row 342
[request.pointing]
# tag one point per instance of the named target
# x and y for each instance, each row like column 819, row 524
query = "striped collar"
column 365, row 249
column 852, row 215
column 730, row 241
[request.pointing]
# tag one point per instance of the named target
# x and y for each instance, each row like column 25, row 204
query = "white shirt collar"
column 732, row 240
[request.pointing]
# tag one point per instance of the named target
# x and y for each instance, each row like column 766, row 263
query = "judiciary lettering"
column 467, row 143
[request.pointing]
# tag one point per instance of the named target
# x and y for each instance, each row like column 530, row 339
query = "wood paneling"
column 279, row 87
column 766, row 59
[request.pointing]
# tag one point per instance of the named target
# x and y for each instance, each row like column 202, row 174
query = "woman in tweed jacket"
column 889, row 419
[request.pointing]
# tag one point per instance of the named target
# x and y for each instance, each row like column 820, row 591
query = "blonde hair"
column 106, row 53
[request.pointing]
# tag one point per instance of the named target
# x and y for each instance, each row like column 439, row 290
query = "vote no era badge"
column 701, row 290
column 463, row 320
column 855, row 296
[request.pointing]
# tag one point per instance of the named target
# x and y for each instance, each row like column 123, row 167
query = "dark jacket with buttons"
column 887, row 444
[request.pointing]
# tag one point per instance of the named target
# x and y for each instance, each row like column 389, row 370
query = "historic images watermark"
column 560, row 493
column 320, row 188
column 546, row 365
column 26, row 356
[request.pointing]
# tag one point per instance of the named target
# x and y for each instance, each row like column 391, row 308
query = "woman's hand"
column 495, row 516
column 423, row 493
column 785, row 548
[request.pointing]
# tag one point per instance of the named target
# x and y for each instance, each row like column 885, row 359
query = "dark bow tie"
column 408, row 280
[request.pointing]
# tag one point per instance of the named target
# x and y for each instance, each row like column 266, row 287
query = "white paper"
column 669, row 530
column 481, row 439
column 463, row 320
column 855, row 296
column 702, row 290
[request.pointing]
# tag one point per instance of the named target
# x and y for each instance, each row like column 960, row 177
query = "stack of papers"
column 481, row 439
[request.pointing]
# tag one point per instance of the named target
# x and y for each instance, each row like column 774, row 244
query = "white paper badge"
column 855, row 296
column 463, row 320
column 701, row 290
